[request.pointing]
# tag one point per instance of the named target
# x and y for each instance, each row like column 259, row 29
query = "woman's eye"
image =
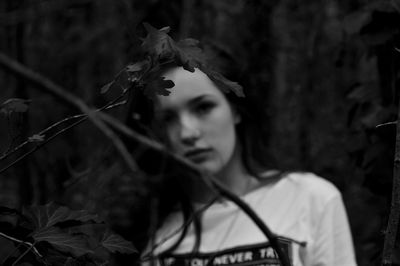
column 167, row 118
column 204, row 108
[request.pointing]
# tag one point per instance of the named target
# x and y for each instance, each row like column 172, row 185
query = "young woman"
column 209, row 127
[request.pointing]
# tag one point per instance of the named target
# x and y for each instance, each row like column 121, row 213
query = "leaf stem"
column 61, row 93
column 12, row 253
column 84, row 117
column 30, row 245
column 23, row 254
column 37, row 147
column 108, row 106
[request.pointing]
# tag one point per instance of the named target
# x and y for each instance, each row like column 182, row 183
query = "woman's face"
column 198, row 119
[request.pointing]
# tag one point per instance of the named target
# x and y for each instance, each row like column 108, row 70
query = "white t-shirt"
column 306, row 211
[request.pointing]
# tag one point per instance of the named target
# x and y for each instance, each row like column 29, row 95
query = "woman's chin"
column 209, row 167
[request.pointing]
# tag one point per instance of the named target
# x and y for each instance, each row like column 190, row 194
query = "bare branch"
column 58, row 123
column 386, row 124
column 50, row 87
column 41, row 144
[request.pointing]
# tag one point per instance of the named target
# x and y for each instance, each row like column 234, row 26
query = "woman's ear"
column 237, row 117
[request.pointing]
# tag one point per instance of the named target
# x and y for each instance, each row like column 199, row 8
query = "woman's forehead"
column 188, row 86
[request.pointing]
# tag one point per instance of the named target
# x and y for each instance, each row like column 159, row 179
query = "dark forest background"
column 325, row 74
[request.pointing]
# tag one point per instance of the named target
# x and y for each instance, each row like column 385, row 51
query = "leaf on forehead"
column 158, row 86
column 223, row 83
column 188, row 54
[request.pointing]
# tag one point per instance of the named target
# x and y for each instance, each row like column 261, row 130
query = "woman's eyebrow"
column 199, row 98
column 194, row 101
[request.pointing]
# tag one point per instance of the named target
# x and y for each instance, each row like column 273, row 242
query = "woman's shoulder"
column 306, row 183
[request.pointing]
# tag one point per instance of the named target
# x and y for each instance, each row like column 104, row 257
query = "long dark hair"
column 169, row 190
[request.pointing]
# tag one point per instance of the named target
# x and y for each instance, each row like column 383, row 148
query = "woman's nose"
column 189, row 130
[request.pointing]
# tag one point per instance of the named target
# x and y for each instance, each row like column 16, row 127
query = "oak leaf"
column 115, row 243
column 51, row 214
column 77, row 245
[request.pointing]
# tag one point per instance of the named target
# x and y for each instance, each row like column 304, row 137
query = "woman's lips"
column 197, row 155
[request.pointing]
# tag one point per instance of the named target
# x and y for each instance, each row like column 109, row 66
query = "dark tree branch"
column 44, row 84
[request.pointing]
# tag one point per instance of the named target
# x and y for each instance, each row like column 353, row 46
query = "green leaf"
column 51, row 214
column 15, row 105
column 77, row 245
column 158, row 86
column 115, row 243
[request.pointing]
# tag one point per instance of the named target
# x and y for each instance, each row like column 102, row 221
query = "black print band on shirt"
column 248, row 255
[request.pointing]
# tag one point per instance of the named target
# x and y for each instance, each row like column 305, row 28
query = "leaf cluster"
column 57, row 235
column 160, row 49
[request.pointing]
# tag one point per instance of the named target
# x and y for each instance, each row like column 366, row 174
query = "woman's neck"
column 234, row 176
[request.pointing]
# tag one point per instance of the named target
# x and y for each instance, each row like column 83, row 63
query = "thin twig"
column 386, row 124
column 147, row 256
column 22, row 242
column 158, row 147
column 41, row 144
column 393, row 222
column 50, row 87
column 273, row 239
column 22, row 255
column 11, row 253
column 26, row 142
column 58, row 123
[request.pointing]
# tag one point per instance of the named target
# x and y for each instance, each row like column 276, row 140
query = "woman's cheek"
column 172, row 139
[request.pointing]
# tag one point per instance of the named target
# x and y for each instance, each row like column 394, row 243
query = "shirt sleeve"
column 333, row 242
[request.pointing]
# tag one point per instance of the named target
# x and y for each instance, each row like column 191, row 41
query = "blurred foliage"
column 57, row 236
column 324, row 74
